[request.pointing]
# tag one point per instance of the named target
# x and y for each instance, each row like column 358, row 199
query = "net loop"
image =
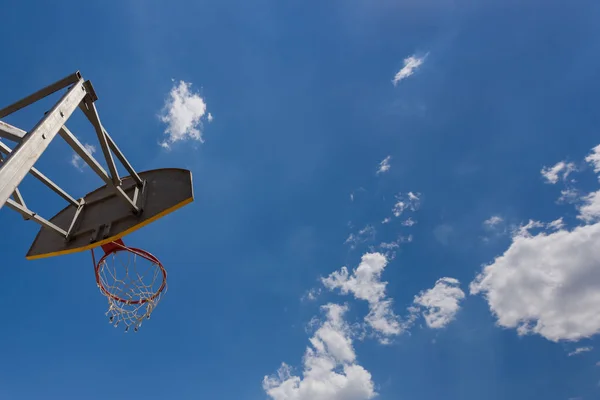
column 133, row 281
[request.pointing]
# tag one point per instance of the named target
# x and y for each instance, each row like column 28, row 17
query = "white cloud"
column 395, row 244
column 492, row 221
column 409, row 202
column 210, row 117
column 183, row 112
column 312, row 294
column 441, row 303
column 389, row 245
column 386, row 220
column 365, row 284
column 594, row 158
column 409, row 222
column 580, row 350
column 364, row 235
column 410, row 65
column 384, row 165
column 77, row 162
column 551, row 174
column 330, row 370
column 569, row 195
column 589, row 211
column 546, row 284
column 556, row 224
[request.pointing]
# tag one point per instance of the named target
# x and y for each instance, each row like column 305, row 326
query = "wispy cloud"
column 561, row 169
column 411, row 64
column 183, row 112
column 312, row 294
column 364, row 235
column 409, row 222
column 492, row 221
column 409, row 202
column 594, row 159
column 330, row 369
column 77, row 162
column 580, row 350
column 384, row 165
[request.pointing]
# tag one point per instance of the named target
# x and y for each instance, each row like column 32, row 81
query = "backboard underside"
column 105, row 217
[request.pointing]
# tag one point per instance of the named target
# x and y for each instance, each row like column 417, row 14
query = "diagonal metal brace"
column 40, row 94
column 28, row 214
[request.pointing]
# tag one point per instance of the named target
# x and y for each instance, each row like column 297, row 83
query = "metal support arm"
column 40, row 94
column 42, row 178
column 28, row 214
column 24, row 156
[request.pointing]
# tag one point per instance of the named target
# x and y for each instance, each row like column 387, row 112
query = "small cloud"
column 589, row 211
column 525, row 230
column 580, row 350
column 365, row 283
column 395, row 244
column 409, row 222
column 355, row 192
column 551, row 174
column 389, row 246
column 312, row 294
column 384, row 165
column 183, row 112
column 209, row 117
column 364, row 235
column 386, row 220
column 594, row 159
column 409, row 202
column 492, row 221
column 441, row 303
column 569, row 196
column 556, row 224
column 411, row 64
column 77, row 162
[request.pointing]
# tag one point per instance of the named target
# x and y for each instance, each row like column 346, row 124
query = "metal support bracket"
column 20, row 161
column 33, row 216
column 24, row 156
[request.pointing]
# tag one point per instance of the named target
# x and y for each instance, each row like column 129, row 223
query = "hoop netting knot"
column 133, row 281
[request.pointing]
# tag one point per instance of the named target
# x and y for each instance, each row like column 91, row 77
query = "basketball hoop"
column 132, row 280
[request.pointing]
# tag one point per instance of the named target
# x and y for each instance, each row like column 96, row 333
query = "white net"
column 133, row 283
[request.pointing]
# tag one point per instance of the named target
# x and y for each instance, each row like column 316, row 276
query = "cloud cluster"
column 330, row 370
column 364, row 235
column 561, row 169
column 365, row 283
column 183, row 113
column 548, row 282
column 409, row 202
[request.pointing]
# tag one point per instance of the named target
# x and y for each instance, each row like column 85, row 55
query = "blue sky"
column 495, row 115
